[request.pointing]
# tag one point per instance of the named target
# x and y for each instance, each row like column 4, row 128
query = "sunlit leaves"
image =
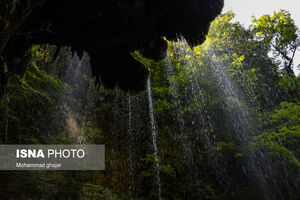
column 280, row 34
column 280, row 27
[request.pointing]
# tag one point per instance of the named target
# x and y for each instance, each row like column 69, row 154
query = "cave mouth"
column 109, row 31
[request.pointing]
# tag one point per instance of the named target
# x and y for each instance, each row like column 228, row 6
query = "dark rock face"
column 110, row 30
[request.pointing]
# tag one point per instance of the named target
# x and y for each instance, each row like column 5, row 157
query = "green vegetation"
column 227, row 114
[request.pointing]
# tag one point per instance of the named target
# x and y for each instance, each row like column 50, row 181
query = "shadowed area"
column 108, row 30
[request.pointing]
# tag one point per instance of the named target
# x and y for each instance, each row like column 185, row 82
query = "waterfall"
column 154, row 135
column 239, row 115
column 237, row 110
column 184, row 139
column 130, row 147
column 77, row 104
column 202, row 120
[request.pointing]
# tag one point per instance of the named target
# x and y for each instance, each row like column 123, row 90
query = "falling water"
column 238, row 114
column 184, row 139
column 237, row 110
column 130, row 147
column 77, row 104
column 154, row 135
column 245, row 130
column 129, row 115
column 192, row 144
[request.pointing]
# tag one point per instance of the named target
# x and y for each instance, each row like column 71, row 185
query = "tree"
column 281, row 35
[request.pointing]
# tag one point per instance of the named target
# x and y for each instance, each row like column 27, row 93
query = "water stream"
column 238, row 116
column 193, row 127
column 154, row 136
column 77, row 105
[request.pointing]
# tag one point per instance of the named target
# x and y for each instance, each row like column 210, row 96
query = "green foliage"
column 281, row 142
column 228, row 147
column 31, row 112
column 291, row 85
column 192, row 90
column 280, row 27
column 280, row 34
column 203, row 154
column 90, row 192
column 284, row 126
column 91, row 134
column 27, row 100
column 150, row 160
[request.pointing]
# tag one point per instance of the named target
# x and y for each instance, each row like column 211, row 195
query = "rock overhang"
column 111, row 30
